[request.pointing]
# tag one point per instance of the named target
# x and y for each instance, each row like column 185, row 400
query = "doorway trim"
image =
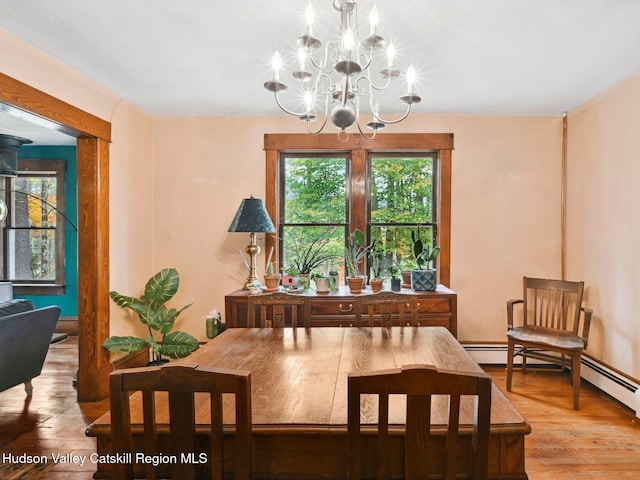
column 93, row 137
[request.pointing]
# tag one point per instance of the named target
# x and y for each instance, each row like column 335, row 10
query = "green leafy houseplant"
column 306, row 252
column 356, row 251
column 153, row 313
column 425, row 255
column 423, row 278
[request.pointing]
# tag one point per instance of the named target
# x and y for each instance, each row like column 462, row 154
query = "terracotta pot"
column 406, row 279
column 271, row 282
column 376, row 284
column 355, row 284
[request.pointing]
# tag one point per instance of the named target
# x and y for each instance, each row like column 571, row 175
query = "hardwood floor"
column 601, row 441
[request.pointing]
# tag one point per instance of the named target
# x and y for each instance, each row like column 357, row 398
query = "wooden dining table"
column 299, row 396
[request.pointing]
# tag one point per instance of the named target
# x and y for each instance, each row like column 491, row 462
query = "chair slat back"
column 181, row 381
column 420, row 383
column 394, row 309
column 273, row 307
column 552, row 303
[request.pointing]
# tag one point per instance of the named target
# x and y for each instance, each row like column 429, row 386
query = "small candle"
column 411, row 78
column 391, row 53
column 276, row 63
column 309, row 18
column 373, row 20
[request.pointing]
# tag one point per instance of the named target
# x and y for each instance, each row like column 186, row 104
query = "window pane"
column 34, row 254
column 34, row 201
column 397, row 239
column 313, row 249
column 401, row 190
column 314, row 190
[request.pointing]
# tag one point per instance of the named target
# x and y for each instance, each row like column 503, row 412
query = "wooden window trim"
column 441, row 143
column 58, row 168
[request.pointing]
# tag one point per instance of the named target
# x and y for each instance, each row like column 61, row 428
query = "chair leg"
column 524, row 359
column 510, row 349
column 575, row 380
column 28, row 387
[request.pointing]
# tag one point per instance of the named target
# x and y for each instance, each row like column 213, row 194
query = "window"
column 33, row 242
column 320, row 189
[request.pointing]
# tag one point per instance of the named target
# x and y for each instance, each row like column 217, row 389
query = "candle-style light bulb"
column 308, row 101
column 347, row 41
column 309, row 17
column 411, row 78
column 276, row 64
column 391, row 53
column 302, row 58
column 373, row 20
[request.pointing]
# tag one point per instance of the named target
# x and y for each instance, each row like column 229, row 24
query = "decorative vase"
column 424, row 280
column 355, row 284
column 376, row 284
column 214, row 327
column 271, row 282
column 395, row 285
column 406, row 279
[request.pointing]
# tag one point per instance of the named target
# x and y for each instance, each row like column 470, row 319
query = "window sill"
column 38, row 289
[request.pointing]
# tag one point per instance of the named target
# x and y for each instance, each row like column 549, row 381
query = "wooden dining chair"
column 273, row 307
column 466, row 447
column 551, row 327
column 393, row 309
column 184, row 439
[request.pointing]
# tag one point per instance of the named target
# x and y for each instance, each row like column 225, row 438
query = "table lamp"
column 252, row 217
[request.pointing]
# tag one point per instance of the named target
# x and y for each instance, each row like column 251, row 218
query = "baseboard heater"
column 613, row 383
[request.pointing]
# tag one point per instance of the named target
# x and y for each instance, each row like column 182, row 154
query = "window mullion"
column 358, row 191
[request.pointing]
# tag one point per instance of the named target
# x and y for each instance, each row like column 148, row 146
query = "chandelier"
column 339, row 77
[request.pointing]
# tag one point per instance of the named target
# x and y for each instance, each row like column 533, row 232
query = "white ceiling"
column 530, row 57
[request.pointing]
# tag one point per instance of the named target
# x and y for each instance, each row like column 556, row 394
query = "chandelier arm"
column 368, row 59
column 397, row 120
column 364, row 135
column 285, row 110
column 322, row 67
column 324, row 122
column 373, row 85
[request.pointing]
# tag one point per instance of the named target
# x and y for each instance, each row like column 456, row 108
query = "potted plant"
column 376, row 269
column 271, row 279
column 324, row 283
column 306, row 252
column 356, row 253
column 394, row 270
column 423, row 278
column 159, row 319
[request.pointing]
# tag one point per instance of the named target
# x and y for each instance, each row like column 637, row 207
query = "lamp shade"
column 252, row 217
column 9, row 146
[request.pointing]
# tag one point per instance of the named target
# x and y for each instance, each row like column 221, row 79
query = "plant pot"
column 424, row 280
column 406, row 279
column 271, row 282
column 355, row 284
column 395, row 285
column 376, row 284
column 322, row 285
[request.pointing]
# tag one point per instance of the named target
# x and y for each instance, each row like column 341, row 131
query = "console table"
column 437, row 308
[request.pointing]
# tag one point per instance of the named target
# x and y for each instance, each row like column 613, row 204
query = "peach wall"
column 130, row 239
column 506, row 196
column 603, row 232
column 130, row 211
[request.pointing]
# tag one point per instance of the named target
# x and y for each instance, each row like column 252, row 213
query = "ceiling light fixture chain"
column 342, row 75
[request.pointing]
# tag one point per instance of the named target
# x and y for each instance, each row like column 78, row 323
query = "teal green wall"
column 69, row 301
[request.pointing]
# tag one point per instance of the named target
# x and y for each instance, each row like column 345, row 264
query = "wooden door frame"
column 93, row 137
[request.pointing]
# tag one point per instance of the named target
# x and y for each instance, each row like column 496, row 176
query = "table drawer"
column 434, row 305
